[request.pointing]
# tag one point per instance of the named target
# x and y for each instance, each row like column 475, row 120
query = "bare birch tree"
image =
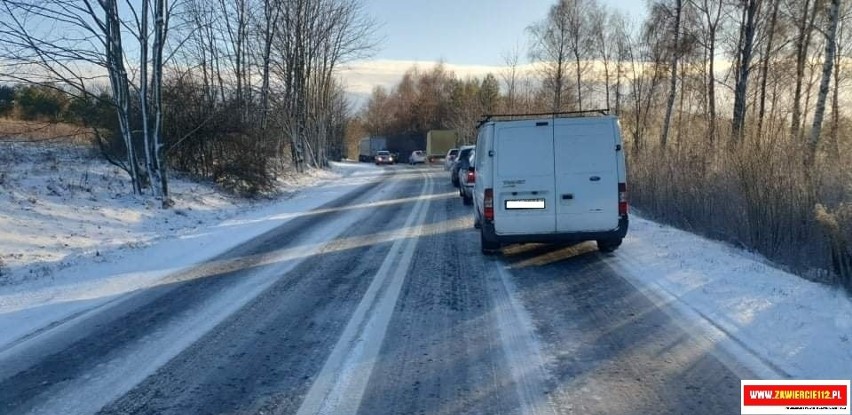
column 745, row 51
column 830, row 49
column 510, row 77
column 675, row 56
column 86, row 46
column 551, row 48
column 602, row 23
column 804, row 22
column 711, row 13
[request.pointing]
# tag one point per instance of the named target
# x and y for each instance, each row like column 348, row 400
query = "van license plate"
column 525, row 204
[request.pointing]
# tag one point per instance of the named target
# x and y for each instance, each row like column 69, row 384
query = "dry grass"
column 756, row 196
column 36, row 131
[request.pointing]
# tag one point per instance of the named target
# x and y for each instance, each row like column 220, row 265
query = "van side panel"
column 484, row 168
column 587, row 174
column 524, row 185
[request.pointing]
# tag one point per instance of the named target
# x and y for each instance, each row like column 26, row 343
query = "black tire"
column 488, row 247
column 608, row 246
column 468, row 201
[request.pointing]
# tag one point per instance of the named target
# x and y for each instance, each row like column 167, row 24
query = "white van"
column 556, row 178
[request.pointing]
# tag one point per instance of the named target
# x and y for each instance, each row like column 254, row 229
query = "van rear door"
column 524, row 185
column 586, row 165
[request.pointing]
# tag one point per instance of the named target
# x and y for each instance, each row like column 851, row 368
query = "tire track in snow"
column 341, row 383
column 116, row 355
column 520, row 344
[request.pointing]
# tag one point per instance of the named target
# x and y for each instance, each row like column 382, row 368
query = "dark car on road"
column 467, row 178
column 384, row 157
column 464, row 153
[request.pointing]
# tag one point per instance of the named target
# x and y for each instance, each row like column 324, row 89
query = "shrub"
column 7, row 100
column 41, row 102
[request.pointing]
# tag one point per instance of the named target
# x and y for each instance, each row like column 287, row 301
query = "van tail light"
column 622, row 199
column 488, row 205
column 471, row 177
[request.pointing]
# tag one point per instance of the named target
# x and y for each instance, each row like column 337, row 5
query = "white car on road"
column 451, row 158
column 417, row 157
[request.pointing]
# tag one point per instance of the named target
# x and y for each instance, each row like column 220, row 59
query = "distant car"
column 467, row 178
column 417, row 157
column 451, row 158
column 464, row 153
column 384, row 157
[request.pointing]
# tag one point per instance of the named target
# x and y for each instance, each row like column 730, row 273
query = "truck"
column 439, row 142
column 369, row 146
column 402, row 145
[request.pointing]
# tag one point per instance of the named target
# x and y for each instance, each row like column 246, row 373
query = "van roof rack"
column 567, row 114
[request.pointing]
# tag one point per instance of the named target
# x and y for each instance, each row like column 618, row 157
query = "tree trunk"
column 741, row 89
column 618, row 88
column 803, row 41
column 834, row 151
column 764, row 69
column 158, row 149
column 711, row 89
column 830, row 48
column 143, row 97
column 579, row 81
column 680, row 101
column 673, row 81
column 270, row 24
column 559, row 79
column 120, row 87
column 712, row 21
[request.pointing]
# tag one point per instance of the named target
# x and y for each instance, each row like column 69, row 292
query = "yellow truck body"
column 439, row 142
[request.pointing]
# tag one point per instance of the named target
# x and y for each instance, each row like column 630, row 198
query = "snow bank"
column 61, row 205
column 799, row 328
column 92, row 245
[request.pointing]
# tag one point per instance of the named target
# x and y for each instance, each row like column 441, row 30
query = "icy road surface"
column 375, row 302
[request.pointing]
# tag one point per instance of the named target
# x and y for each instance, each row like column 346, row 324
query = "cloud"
column 361, row 77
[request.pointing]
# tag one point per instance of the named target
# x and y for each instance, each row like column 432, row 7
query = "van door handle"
column 595, row 178
column 568, row 196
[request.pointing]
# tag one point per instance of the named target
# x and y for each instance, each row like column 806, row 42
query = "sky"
column 470, row 36
column 461, row 31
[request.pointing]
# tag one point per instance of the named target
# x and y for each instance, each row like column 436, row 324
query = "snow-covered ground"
column 61, row 205
column 787, row 326
column 73, row 251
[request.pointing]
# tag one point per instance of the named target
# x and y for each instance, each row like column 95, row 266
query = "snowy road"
column 377, row 302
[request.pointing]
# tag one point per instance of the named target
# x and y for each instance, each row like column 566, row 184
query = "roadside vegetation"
column 233, row 91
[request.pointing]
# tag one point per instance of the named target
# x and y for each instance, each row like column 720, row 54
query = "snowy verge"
column 61, row 205
column 156, row 242
column 794, row 327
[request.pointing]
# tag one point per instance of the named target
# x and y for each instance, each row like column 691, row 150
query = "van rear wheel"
column 488, row 247
column 609, row 245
